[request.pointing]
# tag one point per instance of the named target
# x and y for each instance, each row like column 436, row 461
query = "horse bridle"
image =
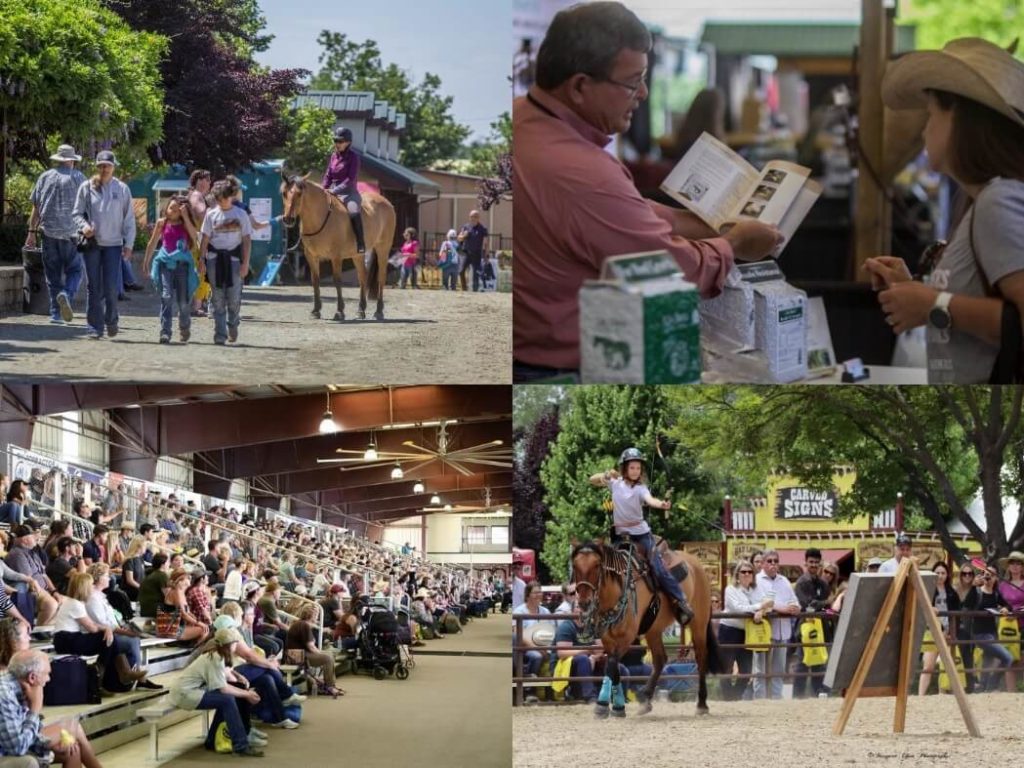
column 311, row 234
column 620, row 563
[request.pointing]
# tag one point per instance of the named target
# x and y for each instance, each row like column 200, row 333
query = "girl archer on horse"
column 629, row 494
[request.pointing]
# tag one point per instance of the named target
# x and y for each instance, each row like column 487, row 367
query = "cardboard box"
column 780, row 315
column 640, row 326
column 730, row 315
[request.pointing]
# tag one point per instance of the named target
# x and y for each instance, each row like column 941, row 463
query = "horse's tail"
column 372, row 275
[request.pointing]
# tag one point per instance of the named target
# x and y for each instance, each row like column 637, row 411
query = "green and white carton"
column 640, row 323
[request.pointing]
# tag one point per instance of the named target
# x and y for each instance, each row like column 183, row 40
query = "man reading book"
column 576, row 204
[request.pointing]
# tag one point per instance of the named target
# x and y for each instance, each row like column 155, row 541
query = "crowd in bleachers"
column 797, row 617
column 248, row 595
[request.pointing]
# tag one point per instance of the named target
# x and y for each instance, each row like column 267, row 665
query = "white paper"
column 261, row 211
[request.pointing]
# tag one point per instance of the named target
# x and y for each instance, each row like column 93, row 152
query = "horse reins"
column 619, row 562
column 310, row 234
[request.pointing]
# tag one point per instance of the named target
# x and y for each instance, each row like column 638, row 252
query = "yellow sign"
column 743, row 550
column 710, row 555
column 790, row 506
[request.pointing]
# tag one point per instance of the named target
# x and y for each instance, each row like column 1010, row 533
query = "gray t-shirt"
column 226, row 228
column 54, row 197
column 628, row 507
column 956, row 357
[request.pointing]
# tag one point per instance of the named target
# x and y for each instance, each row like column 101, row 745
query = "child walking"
column 173, row 269
column 448, row 260
column 224, row 256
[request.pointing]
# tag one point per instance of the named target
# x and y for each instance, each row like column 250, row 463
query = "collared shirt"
column 576, row 205
column 782, row 628
column 20, row 728
column 54, row 198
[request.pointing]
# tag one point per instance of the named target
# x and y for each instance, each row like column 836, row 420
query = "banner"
column 805, row 504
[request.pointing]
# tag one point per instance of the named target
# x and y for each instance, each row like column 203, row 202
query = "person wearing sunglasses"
column 965, row 589
column 986, row 597
column 739, row 598
column 776, row 589
column 576, row 203
column 568, row 599
column 973, row 91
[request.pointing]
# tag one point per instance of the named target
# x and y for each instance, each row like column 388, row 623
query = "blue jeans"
column 661, row 574
column 174, row 293
column 531, row 662
column 127, row 276
column 449, row 275
column 582, row 666
column 230, row 710
column 1004, row 659
column 62, row 265
column 103, row 268
column 270, row 685
column 408, row 272
column 227, row 304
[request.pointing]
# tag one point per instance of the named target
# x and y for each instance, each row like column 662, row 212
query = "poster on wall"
column 261, row 211
column 710, row 555
column 744, row 550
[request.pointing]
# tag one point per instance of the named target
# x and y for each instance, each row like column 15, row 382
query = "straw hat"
column 1015, row 555
column 969, row 67
column 422, row 592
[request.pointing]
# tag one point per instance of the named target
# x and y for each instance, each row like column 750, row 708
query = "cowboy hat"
column 64, row 153
column 423, row 592
column 1016, row 555
column 970, row 67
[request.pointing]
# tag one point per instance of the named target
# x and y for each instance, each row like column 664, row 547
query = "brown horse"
column 327, row 236
column 614, row 598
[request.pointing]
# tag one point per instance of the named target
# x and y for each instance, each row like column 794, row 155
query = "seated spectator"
column 532, row 659
column 585, row 658
column 76, row 633
column 206, row 683
column 14, row 637
column 263, row 674
column 114, row 553
column 133, row 569
column 198, row 597
column 154, row 586
column 169, row 524
column 420, row 612
column 13, row 510
column 300, row 648
column 177, row 561
column 24, row 557
column 58, row 530
column 148, row 532
column 124, row 538
column 63, row 563
column 174, row 619
column 233, row 583
column 126, row 636
column 95, row 549
column 21, row 706
column 346, row 629
column 271, row 621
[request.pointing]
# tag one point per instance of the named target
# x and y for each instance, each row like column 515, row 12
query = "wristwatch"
column 939, row 316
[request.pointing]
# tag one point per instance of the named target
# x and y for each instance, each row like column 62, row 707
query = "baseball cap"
column 903, row 538
column 874, row 561
column 21, row 530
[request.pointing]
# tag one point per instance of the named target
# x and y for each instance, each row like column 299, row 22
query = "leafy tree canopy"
column 309, row 139
column 939, row 21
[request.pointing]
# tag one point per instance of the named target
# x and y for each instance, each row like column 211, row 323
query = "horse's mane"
column 596, row 547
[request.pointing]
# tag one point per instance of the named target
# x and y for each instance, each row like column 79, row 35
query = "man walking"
column 473, row 238
column 53, row 199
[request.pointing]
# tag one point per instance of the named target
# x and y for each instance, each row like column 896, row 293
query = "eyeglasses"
column 968, row 574
column 570, row 594
column 770, row 562
column 746, row 573
column 633, row 88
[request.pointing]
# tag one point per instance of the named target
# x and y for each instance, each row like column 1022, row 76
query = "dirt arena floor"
column 427, row 336
column 783, row 733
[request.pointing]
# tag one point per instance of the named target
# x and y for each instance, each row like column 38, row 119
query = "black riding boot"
column 684, row 613
column 357, row 227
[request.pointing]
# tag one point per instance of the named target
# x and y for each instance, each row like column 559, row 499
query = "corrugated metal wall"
column 78, row 441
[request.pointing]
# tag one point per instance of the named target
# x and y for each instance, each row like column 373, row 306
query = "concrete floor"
column 452, row 711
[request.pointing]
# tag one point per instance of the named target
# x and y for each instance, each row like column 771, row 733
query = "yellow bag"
column 928, row 642
column 1009, row 635
column 757, row 637
column 222, row 740
column 958, row 662
column 811, row 631
column 563, row 668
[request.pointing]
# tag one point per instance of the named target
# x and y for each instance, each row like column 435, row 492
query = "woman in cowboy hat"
column 974, row 93
column 629, row 494
column 1012, row 590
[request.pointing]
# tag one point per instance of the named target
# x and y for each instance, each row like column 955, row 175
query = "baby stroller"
column 379, row 650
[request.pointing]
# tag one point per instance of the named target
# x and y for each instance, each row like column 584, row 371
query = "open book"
column 722, row 188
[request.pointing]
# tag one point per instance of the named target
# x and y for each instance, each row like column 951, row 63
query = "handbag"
column 563, row 668
column 222, row 740
column 1008, row 632
column 1009, row 365
column 72, row 682
column 757, row 636
column 168, row 623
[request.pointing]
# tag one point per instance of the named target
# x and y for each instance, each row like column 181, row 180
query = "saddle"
column 673, row 562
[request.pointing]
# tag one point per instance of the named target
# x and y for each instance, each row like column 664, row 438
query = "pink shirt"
column 411, row 248
column 576, row 205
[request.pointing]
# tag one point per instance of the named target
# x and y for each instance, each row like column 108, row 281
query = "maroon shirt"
column 343, row 170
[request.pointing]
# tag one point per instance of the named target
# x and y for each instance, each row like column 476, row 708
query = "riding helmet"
column 343, row 134
column 632, row 454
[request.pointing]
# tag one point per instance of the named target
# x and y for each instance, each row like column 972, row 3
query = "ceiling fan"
column 487, row 507
column 493, row 453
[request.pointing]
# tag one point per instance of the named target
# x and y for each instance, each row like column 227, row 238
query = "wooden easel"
column 908, row 587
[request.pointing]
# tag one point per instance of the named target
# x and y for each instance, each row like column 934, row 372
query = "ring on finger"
column 890, row 320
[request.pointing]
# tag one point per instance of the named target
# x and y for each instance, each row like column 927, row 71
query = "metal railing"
column 521, row 682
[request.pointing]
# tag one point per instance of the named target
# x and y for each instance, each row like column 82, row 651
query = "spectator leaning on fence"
column 943, row 599
column 774, row 587
column 813, row 593
column 1012, row 590
column 532, row 658
column 986, row 597
column 739, row 598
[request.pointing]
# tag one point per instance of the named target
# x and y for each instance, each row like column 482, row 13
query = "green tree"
column 309, row 139
column 485, row 155
column 939, row 446
column 939, row 21
column 597, row 425
column 432, row 134
column 71, row 70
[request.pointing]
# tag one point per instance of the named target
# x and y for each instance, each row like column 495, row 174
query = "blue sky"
column 468, row 44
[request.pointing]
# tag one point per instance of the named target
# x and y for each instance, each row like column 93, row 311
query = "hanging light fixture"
column 328, row 426
column 371, row 450
column 447, row 507
column 418, row 488
column 397, row 473
column 435, row 500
